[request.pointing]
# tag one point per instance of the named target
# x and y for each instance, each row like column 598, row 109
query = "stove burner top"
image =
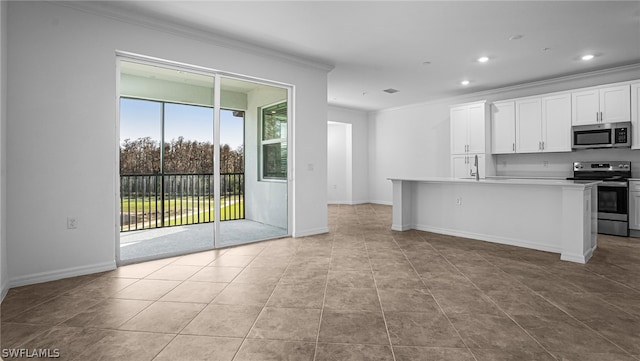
column 618, row 171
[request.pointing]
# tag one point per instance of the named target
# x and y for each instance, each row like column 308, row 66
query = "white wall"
column 360, row 151
column 4, row 280
column 62, row 141
column 339, row 163
column 413, row 141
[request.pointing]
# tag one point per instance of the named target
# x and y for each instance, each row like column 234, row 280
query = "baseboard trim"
column 384, row 203
column 489, row 238
column 60, row 274
column 4, row 289
column 311, row 232
column 349, row 203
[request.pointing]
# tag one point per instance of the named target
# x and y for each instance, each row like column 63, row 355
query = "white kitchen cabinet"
column 634, row 205
column 543, row 124
column 529, row 125
column 606, row 104
column 503, row 127
column 556, row 123
column 462, row 165
column 468, row 128
column 635, row 116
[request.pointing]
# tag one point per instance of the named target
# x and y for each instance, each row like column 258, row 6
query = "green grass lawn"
column 180, row 211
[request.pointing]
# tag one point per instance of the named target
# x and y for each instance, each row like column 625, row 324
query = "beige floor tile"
column 186, row 347
column 297, row 295
column 110, row 313
column 353, row 352
column 194, row 292
column 349, row 298
column 198, row 259
column 14, row 335
column 231, row 260
column 421, row 329
column 166, row 317
column 54, row 311
column 126, row 346
column 294, row 324
column 174, row 272
column 223, row 320
column 70, row 342
column 147, row 290
column 259, row 275
column 139, row 270
column 356, row 279
column 245, row 294
column 361, row 327
column 216, row 274
column 275, row 350
column 416, row 353
column 412, row 300
column 101, row 287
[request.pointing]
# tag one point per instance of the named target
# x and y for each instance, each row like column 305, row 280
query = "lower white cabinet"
column 462, row 165
column 634, row 205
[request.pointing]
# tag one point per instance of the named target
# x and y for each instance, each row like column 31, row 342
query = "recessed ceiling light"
column 515, row 37
column 426, row 63
column 465, row 82
column 587, row 57
column 390, row 90
column 483, row 59
column 546, row 49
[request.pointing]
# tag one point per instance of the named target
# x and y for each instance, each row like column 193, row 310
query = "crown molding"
column 102, row 8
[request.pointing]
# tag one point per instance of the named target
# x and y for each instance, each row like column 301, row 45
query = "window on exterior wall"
column 273, row 142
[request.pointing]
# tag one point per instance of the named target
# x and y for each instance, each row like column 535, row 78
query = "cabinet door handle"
column 601, row 118
column 539, row 146
column 543, row 145
column 514, row 147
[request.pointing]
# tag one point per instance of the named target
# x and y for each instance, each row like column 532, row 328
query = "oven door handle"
column 613, row 184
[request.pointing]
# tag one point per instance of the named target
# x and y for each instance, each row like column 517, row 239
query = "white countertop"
column 503, row 180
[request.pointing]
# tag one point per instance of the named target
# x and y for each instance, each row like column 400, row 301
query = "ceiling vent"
column 390, row 90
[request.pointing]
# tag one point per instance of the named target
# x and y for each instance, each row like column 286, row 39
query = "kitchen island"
column 553, row 215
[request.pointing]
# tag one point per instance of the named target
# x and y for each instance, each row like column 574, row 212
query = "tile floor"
column 361, row 292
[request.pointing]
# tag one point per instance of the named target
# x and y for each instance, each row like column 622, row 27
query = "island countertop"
column 504, row 180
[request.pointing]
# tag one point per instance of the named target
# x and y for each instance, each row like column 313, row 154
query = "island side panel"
column 402, row 205
column 580, row 226
column 520, row 215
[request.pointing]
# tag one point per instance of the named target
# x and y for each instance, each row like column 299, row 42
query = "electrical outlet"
column 545, row 164
column 72, row 222
column 504, row 164
column 459, row 201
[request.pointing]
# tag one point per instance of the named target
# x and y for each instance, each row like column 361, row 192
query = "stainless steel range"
column 613, row 193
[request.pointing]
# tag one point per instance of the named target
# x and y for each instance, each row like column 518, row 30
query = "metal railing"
column 155, row 200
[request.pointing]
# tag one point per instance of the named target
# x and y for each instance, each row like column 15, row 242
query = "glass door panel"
column 166, row 192
column 253, row 169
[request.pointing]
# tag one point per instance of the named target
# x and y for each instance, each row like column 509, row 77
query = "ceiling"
column 423, row 49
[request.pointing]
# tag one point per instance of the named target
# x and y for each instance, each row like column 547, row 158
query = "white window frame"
column 262, row 143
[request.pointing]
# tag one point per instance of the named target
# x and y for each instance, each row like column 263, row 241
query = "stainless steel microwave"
column 603, row 135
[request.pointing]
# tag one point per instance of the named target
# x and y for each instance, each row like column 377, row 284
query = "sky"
column 143, row 118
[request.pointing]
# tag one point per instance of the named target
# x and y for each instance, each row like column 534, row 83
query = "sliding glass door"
column 203, row 161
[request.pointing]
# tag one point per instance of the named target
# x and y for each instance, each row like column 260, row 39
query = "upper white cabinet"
column 529, row 125
column 606, row 104
column 468, row 128
column 556, row 123
column 635, row 115
column 532, row 125
column 503, row 127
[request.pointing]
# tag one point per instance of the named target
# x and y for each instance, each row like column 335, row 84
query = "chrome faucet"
column 475, row 164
